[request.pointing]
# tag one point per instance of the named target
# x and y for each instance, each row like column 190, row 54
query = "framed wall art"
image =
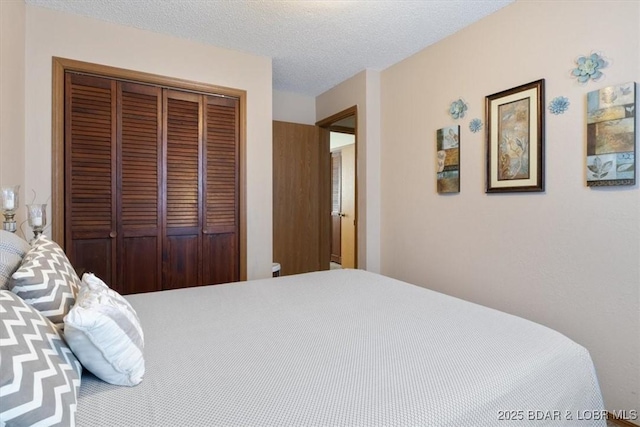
column 515, row 139
column 448, row 159
column 611, row 136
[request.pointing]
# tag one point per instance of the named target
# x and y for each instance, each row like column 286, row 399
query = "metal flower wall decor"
column 475, row 125
column 589, row 68
column 458, row 108
column 559, row 105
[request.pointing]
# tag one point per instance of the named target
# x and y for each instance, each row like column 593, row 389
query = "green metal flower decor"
column 458, row 109
column 589, row 68
column 475, row 125
column 559, row 105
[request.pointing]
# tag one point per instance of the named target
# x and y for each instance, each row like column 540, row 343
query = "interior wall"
column 294, row 108
column 373, row 177
column 568, row 258
column 12, row 68
column 50, row 33
column 362, row 90
column 339, row 139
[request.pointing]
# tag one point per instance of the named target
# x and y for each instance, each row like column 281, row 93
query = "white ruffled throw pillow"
column 104, row 332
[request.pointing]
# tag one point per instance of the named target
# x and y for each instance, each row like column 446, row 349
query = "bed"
column 342, row 347
column 332, row 348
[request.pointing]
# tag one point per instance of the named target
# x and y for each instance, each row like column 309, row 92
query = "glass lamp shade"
column 10, row 199
column 37, row 217
column 8, row 205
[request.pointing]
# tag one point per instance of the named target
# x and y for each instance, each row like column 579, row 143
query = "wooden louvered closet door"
column 182, row 257
column 139, row 225
column 151, row 184
column 221, row 158
column 90, row 178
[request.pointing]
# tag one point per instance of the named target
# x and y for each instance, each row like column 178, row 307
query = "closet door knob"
column 113, row 234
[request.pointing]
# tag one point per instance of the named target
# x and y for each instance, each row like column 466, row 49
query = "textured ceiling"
column 314, row 44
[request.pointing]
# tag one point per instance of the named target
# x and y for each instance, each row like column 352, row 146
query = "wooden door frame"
column 62, row 65
column 327, row 123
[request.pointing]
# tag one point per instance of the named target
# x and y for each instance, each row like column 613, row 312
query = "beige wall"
column 51, row 33
column 12, row 67
column 294, row 108
column 568, row 258
column 362, row 90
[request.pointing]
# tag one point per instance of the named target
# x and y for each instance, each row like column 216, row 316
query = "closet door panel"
column 94, row 255
column 140, row 186
column 90, row 164
column 221, row 205
column 183, row 192
column 140, row 269
column 220, row 259
column 181, row 264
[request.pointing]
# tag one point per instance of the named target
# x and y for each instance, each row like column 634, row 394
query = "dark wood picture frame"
column 515, row 139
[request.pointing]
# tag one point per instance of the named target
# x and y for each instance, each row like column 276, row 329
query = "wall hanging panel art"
column 448, row 157
column 515, row 139
column 611, row 136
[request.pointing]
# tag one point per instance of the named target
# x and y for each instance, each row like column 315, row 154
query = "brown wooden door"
column 336, row 206
column 90, row 178
column 301, row 197
column 348, row 206
column 139, row 181
column 151, row 184
column 220, row 241
column 113, row 169
column 182, row 259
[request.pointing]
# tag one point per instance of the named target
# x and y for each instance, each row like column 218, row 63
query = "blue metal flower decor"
column 458, row 109
column 559, row 105
column 475, row 125
column 589, row 68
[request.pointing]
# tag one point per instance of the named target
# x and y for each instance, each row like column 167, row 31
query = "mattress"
column 342, row 348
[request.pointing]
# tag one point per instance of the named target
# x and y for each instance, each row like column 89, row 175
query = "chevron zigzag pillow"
column 39, row 375
column 104, row 332
column 46, row 280
column 12, row 250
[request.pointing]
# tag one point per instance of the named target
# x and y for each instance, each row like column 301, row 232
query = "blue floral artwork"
column 448, row 159
column 589, row 68
column 611, row 136
column 559, row 105
column 458, row 109
column 475, row 125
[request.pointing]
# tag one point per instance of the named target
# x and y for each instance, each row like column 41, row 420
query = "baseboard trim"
column 620, row 422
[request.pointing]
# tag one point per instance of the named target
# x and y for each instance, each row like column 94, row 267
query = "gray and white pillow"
column 46, row 280
column 104, row 332
column 12, row 250
column 39, row 375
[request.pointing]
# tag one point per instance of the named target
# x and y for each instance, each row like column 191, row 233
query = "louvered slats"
column 152, row 184
column 139, row 160
column 182, row 163
column 221, row 167
column 90, row 129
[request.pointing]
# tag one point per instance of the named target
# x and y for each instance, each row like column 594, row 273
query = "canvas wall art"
column 515, row 139
column 611, row 137
column 448, row 159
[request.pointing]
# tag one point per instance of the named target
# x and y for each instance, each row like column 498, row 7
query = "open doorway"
column 302, row 196
column 343, row 148
column 343, row 196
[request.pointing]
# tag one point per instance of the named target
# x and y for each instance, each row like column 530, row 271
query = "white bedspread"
column 343, row 348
